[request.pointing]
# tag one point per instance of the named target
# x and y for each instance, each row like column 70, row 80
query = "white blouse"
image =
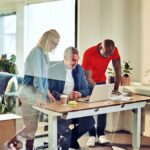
column 69, row 83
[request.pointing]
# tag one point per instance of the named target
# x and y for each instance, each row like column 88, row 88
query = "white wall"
column 126, row 22
column 88, row 24
column 134, row 50
column 145, row 41
column 100, row 19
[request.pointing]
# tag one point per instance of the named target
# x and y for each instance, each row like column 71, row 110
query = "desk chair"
column 8, row 92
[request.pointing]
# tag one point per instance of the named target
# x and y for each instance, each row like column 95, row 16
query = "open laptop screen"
column 100, row 92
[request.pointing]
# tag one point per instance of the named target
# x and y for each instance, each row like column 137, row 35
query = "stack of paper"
column 120, row 97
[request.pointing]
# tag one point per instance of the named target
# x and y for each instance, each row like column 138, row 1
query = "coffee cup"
column 63, row 99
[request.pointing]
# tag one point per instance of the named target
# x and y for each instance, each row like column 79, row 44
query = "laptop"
column 100, row 93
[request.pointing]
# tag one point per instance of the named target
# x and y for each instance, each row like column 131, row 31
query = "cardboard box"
column 7, row 127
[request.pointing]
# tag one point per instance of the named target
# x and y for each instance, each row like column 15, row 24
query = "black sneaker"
column 64, row 143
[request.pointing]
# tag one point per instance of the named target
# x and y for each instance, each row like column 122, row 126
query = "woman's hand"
column 51, row 97
column 40, row 102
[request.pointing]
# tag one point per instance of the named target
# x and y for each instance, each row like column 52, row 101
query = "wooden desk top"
column 57, row 107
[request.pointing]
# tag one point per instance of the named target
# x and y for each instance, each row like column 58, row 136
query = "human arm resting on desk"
column 74, row 95
column 51, row 97
column 117, row 68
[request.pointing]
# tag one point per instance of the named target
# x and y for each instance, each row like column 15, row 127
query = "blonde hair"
column 47, row 38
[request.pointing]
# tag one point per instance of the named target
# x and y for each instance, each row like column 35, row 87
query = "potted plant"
column 8, row 65
column 7, row 102
column 3, row 106
column 126, row 71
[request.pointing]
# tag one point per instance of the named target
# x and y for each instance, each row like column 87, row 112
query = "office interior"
column 126, row 22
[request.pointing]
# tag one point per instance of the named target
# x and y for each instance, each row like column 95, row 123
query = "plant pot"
column 125, row 80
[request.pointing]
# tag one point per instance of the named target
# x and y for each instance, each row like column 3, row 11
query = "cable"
column 112, row 137
column 114, row 129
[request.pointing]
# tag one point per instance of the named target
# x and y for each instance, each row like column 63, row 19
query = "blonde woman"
column 34, row 89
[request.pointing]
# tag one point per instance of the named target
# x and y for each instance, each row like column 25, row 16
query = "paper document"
column 122, row 97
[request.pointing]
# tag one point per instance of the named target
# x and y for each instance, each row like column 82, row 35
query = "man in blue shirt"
column 67, row 77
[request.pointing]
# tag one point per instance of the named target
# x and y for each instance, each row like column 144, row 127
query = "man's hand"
column 75, row 95
column 51, row 97
column 116, row 92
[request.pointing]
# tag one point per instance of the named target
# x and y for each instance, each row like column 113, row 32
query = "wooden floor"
column 120, row 139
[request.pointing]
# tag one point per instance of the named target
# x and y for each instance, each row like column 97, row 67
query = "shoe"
column 103, row 139
column 10, row 147
column 64, row 143
column 91, row 141
column 13, row 145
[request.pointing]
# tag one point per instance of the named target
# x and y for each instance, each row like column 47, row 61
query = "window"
column 40, row 17
column 8, row 34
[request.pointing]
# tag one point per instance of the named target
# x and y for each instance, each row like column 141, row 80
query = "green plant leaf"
column 8, row 65
column 126, row 69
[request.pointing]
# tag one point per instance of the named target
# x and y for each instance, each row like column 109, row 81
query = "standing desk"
column 55, row 109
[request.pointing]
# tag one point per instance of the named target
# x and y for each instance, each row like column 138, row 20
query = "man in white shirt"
column 67, row 77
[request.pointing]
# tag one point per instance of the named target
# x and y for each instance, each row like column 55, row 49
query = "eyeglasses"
column 54, row 43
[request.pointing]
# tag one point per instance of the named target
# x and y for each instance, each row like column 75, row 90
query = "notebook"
column 100, row 92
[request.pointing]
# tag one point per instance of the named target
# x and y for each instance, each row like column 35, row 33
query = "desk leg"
column 136, row 138
column 52, row 132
